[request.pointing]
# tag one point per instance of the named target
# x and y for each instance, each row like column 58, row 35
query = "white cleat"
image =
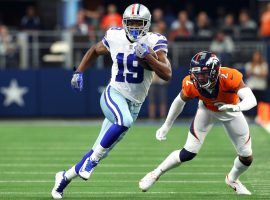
column 147, row 181
column 237, row 186
column 87, row 169
column 61, row 183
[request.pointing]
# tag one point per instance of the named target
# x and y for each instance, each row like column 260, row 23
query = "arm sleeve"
column 248, row 99
column 234, row 80
column 105, row 41
column 160, row 42
column 188, row 88
column 175, row 110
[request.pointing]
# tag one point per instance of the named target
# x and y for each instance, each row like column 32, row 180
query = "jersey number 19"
column 135, row 72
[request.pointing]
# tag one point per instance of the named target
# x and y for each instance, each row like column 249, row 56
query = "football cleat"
column 87, row 168
column 61, row 183
column 237, row 186
column 147, row 181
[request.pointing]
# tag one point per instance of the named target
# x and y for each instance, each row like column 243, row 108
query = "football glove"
column 141, row 50
column 229, row 108
column 162, row 132
column 77, row 81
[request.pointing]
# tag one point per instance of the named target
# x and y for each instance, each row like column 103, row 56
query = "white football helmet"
column 141, row 15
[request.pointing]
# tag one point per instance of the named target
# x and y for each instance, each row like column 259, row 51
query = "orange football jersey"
column 225, row 91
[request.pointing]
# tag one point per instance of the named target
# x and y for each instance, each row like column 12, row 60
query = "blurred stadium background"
column 41, row 42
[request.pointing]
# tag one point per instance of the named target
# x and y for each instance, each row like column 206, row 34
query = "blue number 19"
column 136, row 72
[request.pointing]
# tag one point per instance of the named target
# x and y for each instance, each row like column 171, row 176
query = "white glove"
column 141, row 50
column 77, row 81
column 162, row 132
column 229, row 108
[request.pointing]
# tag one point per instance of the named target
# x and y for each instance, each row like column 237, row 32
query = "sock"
column 98, row 153
column 237, row 169
column 71, row 173
column 170, row 162
column 79, row 164
column 112, row 135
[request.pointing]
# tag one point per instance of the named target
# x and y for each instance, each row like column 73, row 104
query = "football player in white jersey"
column 122, row 99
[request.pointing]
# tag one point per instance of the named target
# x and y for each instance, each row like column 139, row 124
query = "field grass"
column 31, row 154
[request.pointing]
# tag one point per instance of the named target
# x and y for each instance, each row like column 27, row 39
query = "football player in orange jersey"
column 218, row 90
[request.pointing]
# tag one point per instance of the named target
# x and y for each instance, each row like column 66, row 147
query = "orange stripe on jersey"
column 226, row 89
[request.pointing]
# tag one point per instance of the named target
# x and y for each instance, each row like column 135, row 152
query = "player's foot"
column 147, row 181
column 238, row 187
column 87, row 168
column 61, row 183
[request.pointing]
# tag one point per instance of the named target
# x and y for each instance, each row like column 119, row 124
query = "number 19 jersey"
column 127, row 76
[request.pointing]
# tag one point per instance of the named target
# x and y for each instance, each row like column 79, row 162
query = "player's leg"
column 134, row 109
column 199, row 128
column 116, row 109
column 63, row 178
column 73, row 172
column 118, row 120
column 238, row 131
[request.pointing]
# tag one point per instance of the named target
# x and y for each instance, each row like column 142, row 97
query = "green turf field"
column 30, row 155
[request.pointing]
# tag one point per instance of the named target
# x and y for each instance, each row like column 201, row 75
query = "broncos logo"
column 212, row 60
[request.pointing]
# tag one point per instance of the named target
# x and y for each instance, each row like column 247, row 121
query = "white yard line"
column 88, row 122
column 106, row 165
column 101, row 193
column 111, row 181
column 115, row 173
column 135, row 181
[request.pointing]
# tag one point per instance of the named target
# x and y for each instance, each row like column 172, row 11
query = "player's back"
column 225, row 91
column 128, row 77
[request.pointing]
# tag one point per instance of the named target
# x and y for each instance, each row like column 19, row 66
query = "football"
column 143, row 62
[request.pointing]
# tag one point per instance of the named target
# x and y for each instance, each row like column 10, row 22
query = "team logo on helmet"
column 204, row 69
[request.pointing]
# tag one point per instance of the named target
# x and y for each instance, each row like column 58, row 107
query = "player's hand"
column 77, row 81
column 141, row 50
column 162, row 132
column 229, row 108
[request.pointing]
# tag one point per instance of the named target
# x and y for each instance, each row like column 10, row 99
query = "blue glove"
column 141, row 50
column 77, row 81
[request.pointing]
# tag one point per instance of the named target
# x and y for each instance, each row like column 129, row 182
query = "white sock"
column 237, row 169
column 71, row 173
column 173, row 160
column 98, row 153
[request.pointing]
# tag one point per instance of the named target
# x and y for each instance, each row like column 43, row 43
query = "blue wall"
column 49, row 93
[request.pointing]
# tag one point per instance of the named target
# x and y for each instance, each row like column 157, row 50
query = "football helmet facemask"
column 136, row 21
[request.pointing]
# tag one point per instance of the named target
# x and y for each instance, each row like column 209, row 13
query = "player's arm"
column 175, row 110
column 91, row 55
column 248, row 100
column 161, row 66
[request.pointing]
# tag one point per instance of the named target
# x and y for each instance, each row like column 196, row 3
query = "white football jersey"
column 129, row 78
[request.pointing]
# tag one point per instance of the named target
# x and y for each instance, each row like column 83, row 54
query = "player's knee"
column 186, row 155
column 128, row 121
column 246, row 160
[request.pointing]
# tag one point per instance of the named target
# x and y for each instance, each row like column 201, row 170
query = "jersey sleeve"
column 159, row 42
column 188, row 88
column 234, row 79
column 106, row 39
